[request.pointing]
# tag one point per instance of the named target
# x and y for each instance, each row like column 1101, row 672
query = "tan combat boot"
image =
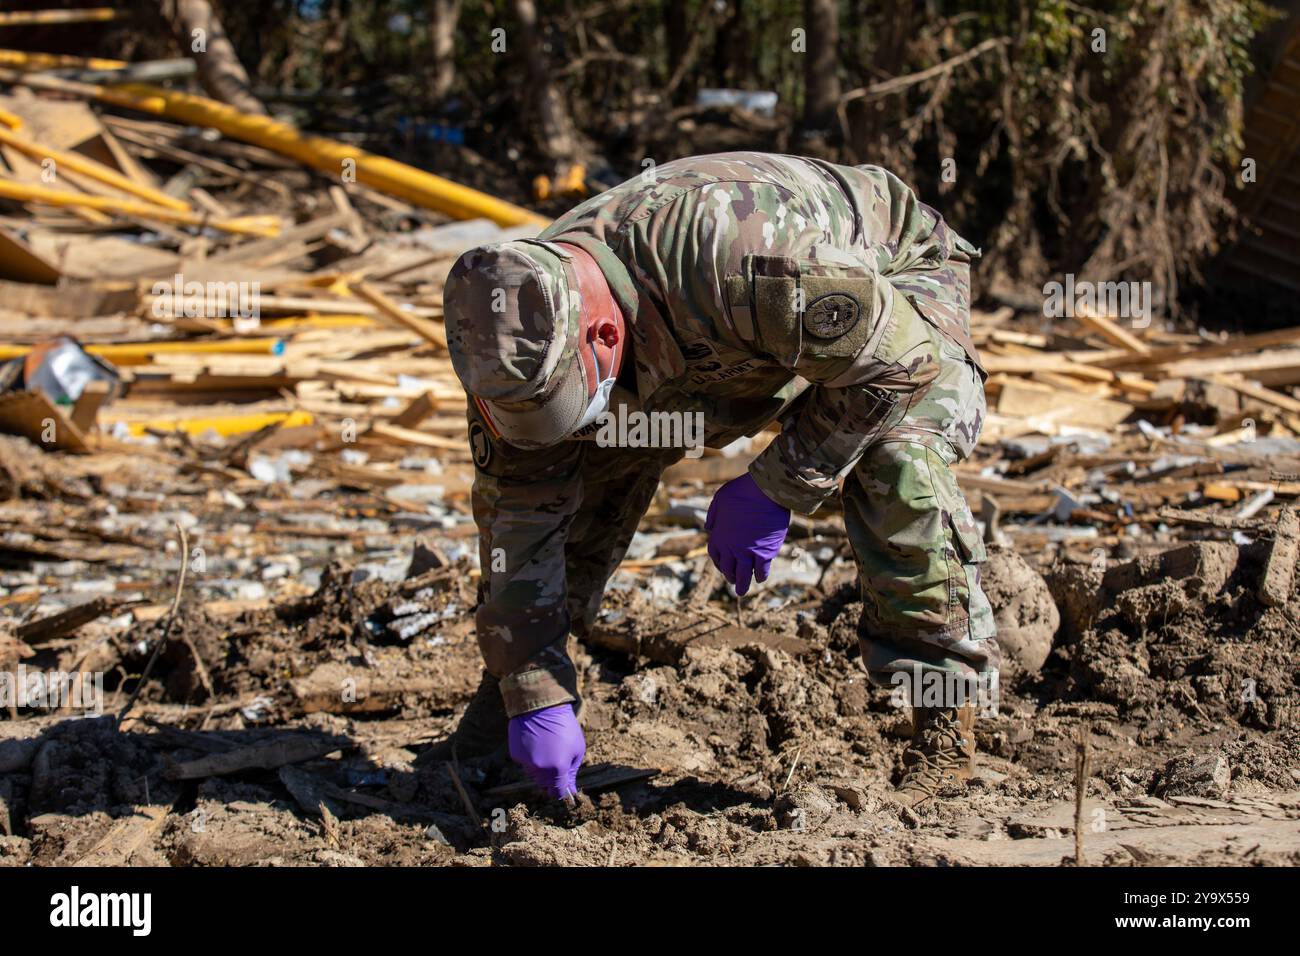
column 941, row 753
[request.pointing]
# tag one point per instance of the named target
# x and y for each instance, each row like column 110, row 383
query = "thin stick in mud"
column 1082, row 770
column 166, row 633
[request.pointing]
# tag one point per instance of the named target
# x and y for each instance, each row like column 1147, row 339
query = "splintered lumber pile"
column 234, row 271
column 1100, row 432
column 285, row 394
column 232, row 288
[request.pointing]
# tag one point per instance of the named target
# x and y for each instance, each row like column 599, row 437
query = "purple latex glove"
column 548, row 743
column 746, row 529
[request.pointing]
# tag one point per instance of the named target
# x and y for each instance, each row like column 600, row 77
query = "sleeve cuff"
column 548, row 680
column 787, row 486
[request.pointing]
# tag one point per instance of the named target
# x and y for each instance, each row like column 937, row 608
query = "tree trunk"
column 201, row 35
column 443, row 17
column 550, row 118
column 678, row 27
column 732, row 58
column 869, row 120
column 821, row 67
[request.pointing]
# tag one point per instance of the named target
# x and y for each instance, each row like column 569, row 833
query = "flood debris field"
column 324, row 641
column 282, row 513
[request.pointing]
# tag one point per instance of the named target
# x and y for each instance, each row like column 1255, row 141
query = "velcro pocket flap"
column 775, row 283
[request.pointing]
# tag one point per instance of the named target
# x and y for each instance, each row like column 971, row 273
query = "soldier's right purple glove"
column 548, row 743
column 746, row 530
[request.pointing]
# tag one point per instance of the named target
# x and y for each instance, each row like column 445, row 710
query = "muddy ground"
column 775, row 751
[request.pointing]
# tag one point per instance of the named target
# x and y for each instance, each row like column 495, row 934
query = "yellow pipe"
column 10, row 120
column 290, row 322
column 35, row 17
column 139, row 353
column 97, row 171
column 387, row 175
column 267, row 226
column 23, row 60
column 221, row 424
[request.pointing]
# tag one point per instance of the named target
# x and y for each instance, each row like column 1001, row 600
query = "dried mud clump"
column 1182, row 631
column 1024, row 609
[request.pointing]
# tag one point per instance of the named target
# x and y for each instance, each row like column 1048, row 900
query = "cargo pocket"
column 804, row 311
column 966, row 551
column 970, row 592
column 950, row 316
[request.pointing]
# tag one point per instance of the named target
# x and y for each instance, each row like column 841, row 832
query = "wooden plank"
column 1279, row 572
column 1220, row 491
column 1258, row 392
column 124, row 161
column 1208, row 519
column 33, row 416
column 417, row 411
column 85, row 411
column 1111, row 332
column 375, row 689
column 126, row 836
column 430, row 331
column 1287, row 360
column 409, row 436
column 277, row 753
column 1029, row 401
column 21, row 262
column 53, row 626
column 304, row 232
column 1044, row 362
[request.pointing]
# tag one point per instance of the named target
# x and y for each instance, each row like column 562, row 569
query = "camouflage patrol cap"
column 514, row 317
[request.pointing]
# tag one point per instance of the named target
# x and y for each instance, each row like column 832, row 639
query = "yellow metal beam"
column 266, row 226
column 140, row 353
column 221, row 424
column 337, row 159
column 24, row 60
column 96, row 171
column 41, row 17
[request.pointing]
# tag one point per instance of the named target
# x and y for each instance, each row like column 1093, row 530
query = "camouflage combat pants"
column 917, row 546
column 618, row 485
column 572, row 511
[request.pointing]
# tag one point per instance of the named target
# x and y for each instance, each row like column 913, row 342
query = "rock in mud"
column 1026, row 615
column 805, row 808
column 1195, row 775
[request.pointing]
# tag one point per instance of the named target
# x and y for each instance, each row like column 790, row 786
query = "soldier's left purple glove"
column 548, row 743
column 746, row 530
